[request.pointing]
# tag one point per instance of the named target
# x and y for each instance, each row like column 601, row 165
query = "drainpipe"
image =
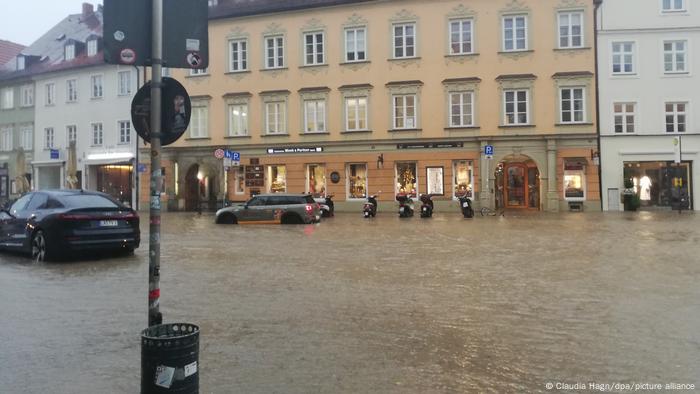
column 596, row 6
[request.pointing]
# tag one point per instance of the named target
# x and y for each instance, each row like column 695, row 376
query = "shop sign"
column 54, row 153
column 431, row 145
column 254, row 176
column 274, row 151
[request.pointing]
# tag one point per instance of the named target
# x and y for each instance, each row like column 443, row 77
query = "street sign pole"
column 154, row 315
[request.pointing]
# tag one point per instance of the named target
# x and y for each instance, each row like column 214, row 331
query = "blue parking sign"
column 236, row 156
column 488, row 150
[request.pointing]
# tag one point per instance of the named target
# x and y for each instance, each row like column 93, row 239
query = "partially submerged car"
column 275, row 208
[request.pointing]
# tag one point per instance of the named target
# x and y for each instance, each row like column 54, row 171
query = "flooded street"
column 442, row 305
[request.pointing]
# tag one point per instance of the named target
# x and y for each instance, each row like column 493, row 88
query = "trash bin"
column 170, row 358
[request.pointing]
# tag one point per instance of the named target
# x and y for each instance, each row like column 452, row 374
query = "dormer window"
column 20, row 62
column 69, row 52
column 92, row 48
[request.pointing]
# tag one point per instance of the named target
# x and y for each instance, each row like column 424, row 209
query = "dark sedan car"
column 50, row 224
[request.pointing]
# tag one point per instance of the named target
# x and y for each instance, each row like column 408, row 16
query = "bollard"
column 170, row 359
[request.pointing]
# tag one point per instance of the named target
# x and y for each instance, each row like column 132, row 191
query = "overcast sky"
column 24, row 21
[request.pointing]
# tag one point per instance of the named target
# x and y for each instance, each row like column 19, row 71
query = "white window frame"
column 673, row 9
column 280, row 115
column 48, row 138
column 572, row 111
column 71, row 131
column 461, row 114
column 676, row 114
column 404, row 46
column 278, row 48
column 8, row 98
column 516, row 113
column 72, row 91
column 674, row 52
column 50, row 97
column 623, row 115
column 199, row 122
column 69, row 52
column 352, row 45
column 461, row 31
column 314, row 114
column 199, row 72
column 92, row 47
column 241, row 123
column 622, row 54
column 514, row 35
column 124, row 127
column 21, row 63
column 97, row 134
column 569, row 33
column 124, row 86
column 404, row 106
column 238, row 56
column 318, row 57
column 6, row 138
column 357, row 113
column 26, row 137
column 27, row 95
column 347, row 182
column 96, row 86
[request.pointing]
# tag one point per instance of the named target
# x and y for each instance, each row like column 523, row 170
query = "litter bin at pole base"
column 170, row 359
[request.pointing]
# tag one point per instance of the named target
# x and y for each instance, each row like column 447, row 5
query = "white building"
column 649, row 87
column 91, row 106
column 79, row 97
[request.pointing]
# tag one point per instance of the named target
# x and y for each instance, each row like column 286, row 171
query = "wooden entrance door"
column 516, row 185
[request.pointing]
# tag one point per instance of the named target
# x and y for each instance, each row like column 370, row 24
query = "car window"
column 88, row 201
column 256, row 201
column 53, row 204
column 21, row 204
column 276, row 200
column 309, row 199
column 38, row 202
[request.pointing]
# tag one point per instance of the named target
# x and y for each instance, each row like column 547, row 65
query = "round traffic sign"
column 175, row 112
column 219, row 153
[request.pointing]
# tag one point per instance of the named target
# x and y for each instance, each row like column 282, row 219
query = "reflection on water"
column 443, row 305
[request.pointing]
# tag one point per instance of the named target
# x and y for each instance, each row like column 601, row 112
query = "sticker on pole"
column 127, row 56
column 194, row 60
column 164, row 376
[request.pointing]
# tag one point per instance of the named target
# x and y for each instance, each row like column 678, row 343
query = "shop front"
column 660, row 184
column 115, row 180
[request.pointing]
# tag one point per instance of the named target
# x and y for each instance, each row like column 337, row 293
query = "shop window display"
column 406, row 179
column 574, row 181
column 239, row 187
column 357, row 181
column 316, row 180
column 463, row 178
column 659, row 184
column 277, row 179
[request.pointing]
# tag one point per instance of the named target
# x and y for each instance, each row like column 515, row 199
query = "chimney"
column 88, row 10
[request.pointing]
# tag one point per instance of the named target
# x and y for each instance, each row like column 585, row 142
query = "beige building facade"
column 368, row 97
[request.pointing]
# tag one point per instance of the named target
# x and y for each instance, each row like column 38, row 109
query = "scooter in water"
column 405, row 205
column 370, row 207
column 327, row 206
column 465, row 204
column 427, row 207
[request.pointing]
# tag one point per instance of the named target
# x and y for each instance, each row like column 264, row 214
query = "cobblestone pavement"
column 442, row 305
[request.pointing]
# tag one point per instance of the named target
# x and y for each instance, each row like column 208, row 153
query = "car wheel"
column 226, row 218
column 41, row 250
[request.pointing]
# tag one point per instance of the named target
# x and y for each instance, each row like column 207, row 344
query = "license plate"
column 108, row 223
column 465, row 204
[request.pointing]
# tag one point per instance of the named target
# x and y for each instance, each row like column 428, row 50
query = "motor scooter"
column 370, row 207
column 465, row 203
column 427, row 207
column 405, row 205
column 327, row 206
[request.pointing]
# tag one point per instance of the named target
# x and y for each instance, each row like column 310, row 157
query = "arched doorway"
column 201, row 187
column 518, row 183
column 192, row 188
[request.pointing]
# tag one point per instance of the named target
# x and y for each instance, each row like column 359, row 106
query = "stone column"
column 486, row 179
column 552, row 196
